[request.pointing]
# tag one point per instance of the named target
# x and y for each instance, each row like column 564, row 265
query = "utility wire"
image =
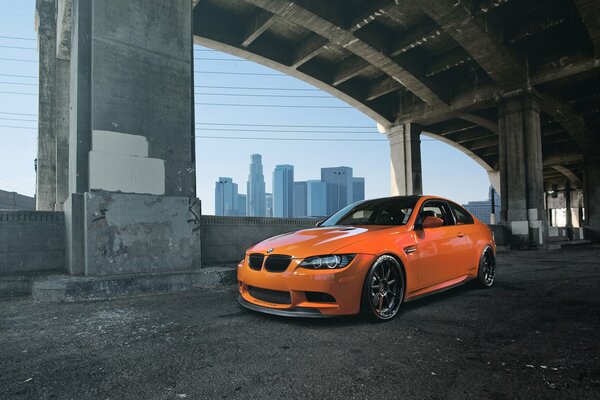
column 257, row 88
column 19, row 60
column 19, row 83
column 13, row 113
column 16, row 127
column 17, row 38
column 18, row 119
column 20, row 76
column 220, row 59
column 28, row 94
column 271, row 105
column 265, row 95
column 18, row 47
column 279, row 131
column 286, row 126
column 291, row 139
column 240, row 73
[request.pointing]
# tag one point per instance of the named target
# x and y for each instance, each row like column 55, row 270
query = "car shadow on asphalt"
column 362, row 319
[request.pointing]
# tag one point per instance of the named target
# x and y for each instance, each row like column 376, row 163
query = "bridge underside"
column 454, row 70
column 513, row 84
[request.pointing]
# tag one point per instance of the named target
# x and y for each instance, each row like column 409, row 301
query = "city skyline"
column 289, row 198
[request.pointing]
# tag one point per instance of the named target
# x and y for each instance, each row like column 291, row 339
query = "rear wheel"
column 487, row 269
column 383, row 291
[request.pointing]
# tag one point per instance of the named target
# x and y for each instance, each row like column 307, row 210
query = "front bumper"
column 344, row 285
column 293, row 312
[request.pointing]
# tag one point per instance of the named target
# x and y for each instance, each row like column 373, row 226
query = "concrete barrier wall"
column 31, row 241
column 225, row 239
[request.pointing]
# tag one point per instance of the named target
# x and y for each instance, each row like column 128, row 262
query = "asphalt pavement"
column 534, row 335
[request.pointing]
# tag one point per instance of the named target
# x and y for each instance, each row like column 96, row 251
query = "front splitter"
column 298, row 312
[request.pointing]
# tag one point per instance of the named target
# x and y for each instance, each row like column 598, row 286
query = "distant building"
column 283, row 191
column 15, row 201
column 483, row 209
column 269, row 204
column 316, row 198
column 358, row 189
column 226, row 197
column 300, row 199
column 256, row 206
column 241, row 205
column 340, row 187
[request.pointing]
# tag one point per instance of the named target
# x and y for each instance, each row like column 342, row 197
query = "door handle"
column 460, row 234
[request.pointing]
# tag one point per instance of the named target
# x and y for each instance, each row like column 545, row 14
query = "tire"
column 487, row 269
column 383, row 290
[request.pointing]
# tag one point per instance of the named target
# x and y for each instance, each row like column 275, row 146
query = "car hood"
column 317, row 241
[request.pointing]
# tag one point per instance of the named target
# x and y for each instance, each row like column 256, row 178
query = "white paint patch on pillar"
column 119, row 143
column 519, row 227
column 120, row 162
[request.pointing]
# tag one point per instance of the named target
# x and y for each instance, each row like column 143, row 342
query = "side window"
column 434, row 210
column 461, row 215
column 360, row 217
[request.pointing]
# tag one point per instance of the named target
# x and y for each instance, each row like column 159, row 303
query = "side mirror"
column 319, row 223
column 432, row 222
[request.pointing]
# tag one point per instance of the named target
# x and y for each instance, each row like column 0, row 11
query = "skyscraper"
column 316, row 198
column 241, row 205
column 256, row 206
column 283, row 191
column 300, row 199
column 358, row 189
column 339, row 187
column 269, row 204
column 226, row 195
column 482, row 210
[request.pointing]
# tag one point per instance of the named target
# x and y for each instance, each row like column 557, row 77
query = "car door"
column 439, row 249
column 465, row 226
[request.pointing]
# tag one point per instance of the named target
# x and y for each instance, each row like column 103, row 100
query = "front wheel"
column 383, row 291
column 487, row 269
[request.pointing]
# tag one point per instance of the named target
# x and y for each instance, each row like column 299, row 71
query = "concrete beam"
column 448, row 60
column 382, row 87
column 483, row 122
column 570, row 175
column 571, row 122
column 308, row 48
column 259, row 22
column 415, row 38
column 589, row 10
column 348, row 69
column 567, row 158
column 479, row 37
column 336, row 34
column 486, row 95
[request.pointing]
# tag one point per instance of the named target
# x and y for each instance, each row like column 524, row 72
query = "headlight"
column 333, row 261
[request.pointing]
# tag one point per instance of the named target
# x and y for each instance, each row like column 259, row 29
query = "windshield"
column 390, row 211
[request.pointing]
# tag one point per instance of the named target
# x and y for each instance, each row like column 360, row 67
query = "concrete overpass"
column 513, row 84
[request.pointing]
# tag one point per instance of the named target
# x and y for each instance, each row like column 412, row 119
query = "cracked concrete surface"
column 533, row 336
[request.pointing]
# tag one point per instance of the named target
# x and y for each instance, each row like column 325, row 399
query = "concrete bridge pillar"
column 123, row 100
column 521, row 168
column 405, row 157
column 591, row 195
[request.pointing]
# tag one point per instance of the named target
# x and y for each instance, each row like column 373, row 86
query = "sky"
column 232, row 123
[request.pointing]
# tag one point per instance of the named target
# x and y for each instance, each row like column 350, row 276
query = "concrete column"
column 131, row 205
column 46, row 154
column 405, row 157
column 591, row 196
column 521, row 169
column 62, row 132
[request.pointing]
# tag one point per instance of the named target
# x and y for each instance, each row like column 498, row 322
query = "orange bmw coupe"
column 370, row 257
